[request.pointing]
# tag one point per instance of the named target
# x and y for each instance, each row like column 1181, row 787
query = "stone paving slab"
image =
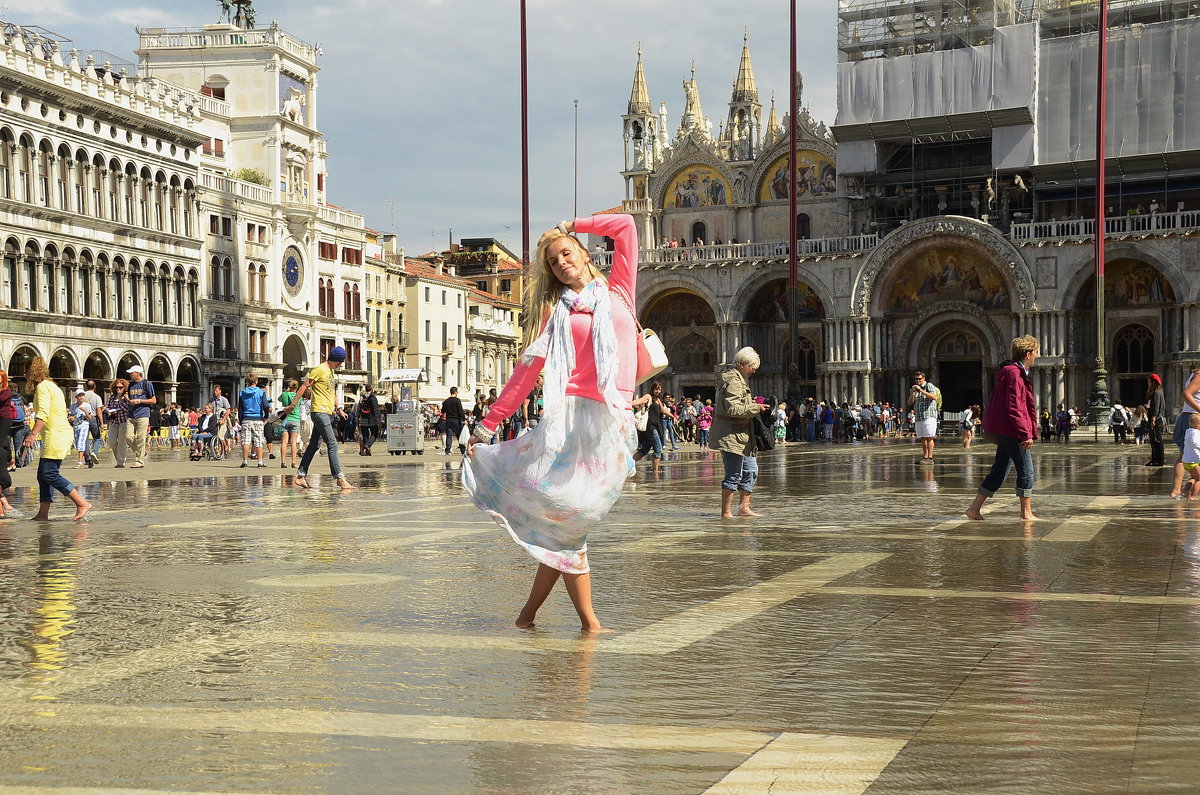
column 215, row 629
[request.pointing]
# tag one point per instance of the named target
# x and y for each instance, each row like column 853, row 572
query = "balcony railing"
column 221, row 297
column 217, row 107
column 225, row 353
column 161, row 38
column 236, row 187
column 1146, row 224
column 336, row 215
column 490, row 325
column 824, row 246
column 635, row 205
column 260, row 357
column 354, row 364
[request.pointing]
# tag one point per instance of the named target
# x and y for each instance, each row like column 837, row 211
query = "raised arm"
column 623, row 231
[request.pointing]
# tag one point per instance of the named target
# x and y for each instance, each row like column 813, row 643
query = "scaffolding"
column 889, row 28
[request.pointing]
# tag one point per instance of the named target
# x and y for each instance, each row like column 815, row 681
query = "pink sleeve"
column 623, row 231
column 519, row 385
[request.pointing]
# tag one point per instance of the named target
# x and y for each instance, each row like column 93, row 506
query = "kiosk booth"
column 406, row 424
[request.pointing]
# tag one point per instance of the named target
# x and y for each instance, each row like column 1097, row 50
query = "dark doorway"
column 1131, row 392
column 699, row 233
column 961, row 384
column 705, row 392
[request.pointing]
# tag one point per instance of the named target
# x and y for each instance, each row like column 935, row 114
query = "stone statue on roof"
column 226, row 11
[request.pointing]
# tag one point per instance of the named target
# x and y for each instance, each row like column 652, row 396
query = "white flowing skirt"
column 547, row 499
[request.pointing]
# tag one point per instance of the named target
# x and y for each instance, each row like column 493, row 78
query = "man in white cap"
column 324, row 407
column 141, row 398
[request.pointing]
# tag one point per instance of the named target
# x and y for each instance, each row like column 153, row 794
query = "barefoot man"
column 320, row 381
column 1011, row 419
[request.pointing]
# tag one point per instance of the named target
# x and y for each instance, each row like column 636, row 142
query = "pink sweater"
column 622, row 279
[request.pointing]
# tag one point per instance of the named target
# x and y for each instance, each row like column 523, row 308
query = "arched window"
column 193, row 287
column 99, row 174
column 227, row 278
column 48, row 301
column 321, row 296
column 357, row 303
column 29, row 276
column 87, row 289
column 7, row 153
column 803, row 226
column 44, row 157
column 262, row 282
column 178, row 297
column 104, row 288
column 25, row 169
column 12, row 255
column 806, row 362
column 347, row 304
column 252, row 283
column 70, row 283
column 699, row 234
column 82, row 168
column 1135, row 351
column 63, row 165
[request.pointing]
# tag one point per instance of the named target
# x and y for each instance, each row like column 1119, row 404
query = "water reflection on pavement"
column 213, row 630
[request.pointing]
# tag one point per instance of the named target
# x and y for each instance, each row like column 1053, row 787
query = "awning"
column 415, row 375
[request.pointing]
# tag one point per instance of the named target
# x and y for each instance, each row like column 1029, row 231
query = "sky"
column 420, row 99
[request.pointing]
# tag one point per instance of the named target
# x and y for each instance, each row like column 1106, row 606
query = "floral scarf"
column 557, row 347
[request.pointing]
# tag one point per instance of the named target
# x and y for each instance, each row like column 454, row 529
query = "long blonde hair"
column 542, row 288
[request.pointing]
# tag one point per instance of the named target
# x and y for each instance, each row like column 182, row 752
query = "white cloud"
column 46, row 13
column 144, row 16
column 419, row 97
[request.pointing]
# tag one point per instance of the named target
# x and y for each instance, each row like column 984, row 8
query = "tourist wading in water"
column 550, row 486
column 1011, row 420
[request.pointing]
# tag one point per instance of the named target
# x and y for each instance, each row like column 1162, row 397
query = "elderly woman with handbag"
column 732, row 432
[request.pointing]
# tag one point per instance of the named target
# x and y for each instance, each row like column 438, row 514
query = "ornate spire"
column 744, row 88
column 773, row 118
column 693, row 114
column 639, row 98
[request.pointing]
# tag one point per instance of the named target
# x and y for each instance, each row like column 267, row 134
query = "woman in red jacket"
column 1011, row 419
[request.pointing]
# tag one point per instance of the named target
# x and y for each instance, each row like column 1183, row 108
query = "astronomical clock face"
column 293, row 271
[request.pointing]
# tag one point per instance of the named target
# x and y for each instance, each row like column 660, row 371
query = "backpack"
column 18, row 405
column 1117, row 417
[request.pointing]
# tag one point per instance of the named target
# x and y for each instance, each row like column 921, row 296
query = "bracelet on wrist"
column 562, row 227
column 482, row 434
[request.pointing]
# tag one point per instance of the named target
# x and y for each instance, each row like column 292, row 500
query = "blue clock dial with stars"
column 293, row 271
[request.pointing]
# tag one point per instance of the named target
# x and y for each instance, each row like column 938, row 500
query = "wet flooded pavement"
column 212, row 630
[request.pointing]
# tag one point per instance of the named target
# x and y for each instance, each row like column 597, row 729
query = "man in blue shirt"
column 253, row 405
column 141, row 398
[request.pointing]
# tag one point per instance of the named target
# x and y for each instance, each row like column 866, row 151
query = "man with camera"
column 923, row 398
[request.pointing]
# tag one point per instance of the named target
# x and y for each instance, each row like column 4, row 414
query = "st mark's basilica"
column 947, row 210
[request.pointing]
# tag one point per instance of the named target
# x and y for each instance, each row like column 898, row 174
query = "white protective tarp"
column 1153, row 102
column 944, row 83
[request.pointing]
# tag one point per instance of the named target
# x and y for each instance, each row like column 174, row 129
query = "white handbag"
column 651, row 355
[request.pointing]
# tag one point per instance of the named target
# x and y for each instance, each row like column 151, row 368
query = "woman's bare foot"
column 745, row 510
column 524, row 622
column 597, row 630
column 727, row 516
column 82, row 511
column 301, row 481
column 344, row 485
column 40, row 517
column 1030, row 518
column 971, row 513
